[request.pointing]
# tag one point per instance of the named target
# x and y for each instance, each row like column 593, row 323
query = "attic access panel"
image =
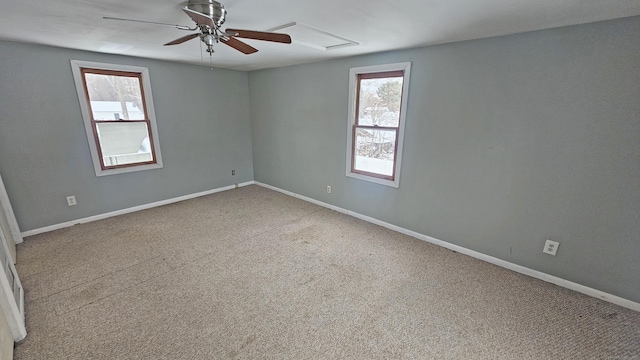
column 312, row 37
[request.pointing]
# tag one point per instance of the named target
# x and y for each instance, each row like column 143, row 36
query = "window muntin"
column 376, row 122
column 119, row 119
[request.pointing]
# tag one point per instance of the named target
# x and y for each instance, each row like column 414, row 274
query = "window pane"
column 374, row 151
column 379, row 101
column 115, row 97
column 124, row 143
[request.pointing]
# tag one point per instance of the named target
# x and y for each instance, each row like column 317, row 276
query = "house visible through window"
column 118, row 113
column 376, row 122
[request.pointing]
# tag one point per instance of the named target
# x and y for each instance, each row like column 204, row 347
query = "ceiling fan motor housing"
column 210, row 8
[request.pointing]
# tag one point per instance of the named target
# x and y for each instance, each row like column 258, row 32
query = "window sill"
column 395, row 183
column 122, row 170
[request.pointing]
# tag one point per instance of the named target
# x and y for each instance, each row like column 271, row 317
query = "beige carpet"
column 255, row 274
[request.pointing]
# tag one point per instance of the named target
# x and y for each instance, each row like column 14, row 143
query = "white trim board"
column 12, row 307
column 14, row 229
column 490, row 259
column 145, row 86
column 130, row 210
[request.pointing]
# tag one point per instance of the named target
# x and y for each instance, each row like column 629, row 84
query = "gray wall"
column 203, row 125
column 509, row 141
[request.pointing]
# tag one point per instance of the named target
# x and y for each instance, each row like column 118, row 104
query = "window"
column 119, row 118
column 377, row 107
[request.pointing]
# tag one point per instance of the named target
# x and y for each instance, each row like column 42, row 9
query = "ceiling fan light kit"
column 209, row 15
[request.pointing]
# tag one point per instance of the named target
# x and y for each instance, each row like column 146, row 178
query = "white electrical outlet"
column 328, row 189
column 551, row 247
column 71, row 200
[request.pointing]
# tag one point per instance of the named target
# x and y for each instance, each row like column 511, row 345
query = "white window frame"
column 76, row 67
column 353, row 88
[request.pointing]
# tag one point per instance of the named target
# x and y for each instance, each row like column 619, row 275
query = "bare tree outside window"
column 121, row 91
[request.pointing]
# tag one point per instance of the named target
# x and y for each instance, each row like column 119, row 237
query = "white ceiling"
column 377, row 25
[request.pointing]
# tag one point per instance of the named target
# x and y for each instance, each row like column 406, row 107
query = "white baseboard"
column 490, row 259
column 130, row 210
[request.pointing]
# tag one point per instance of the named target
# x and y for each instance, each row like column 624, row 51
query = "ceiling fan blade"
column 261, row 35
column 181, row 27
column 200, row 18
column 239, row 45
column 182, row 39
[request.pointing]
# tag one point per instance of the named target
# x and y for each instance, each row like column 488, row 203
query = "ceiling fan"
column 209, row 15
